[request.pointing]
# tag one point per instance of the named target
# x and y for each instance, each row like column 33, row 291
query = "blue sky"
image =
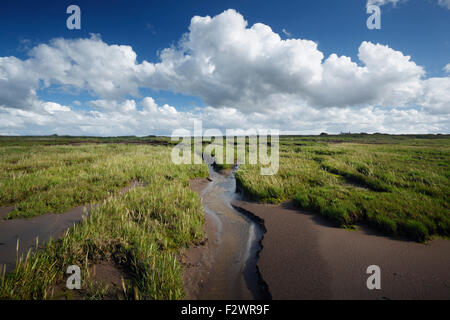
column 416, row 28
column 420, row 28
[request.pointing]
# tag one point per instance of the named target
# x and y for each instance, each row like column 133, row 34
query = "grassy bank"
column 52, row 179
column 140, row 232
column 399, row 185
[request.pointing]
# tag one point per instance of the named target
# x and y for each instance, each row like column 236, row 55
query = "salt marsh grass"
column 399, row 185
column 141, row 232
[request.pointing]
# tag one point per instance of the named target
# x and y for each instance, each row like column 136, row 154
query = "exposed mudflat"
column 225, row 266
column 304, row 257
column 199, row 259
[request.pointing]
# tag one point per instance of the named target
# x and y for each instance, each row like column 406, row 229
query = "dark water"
column 234, row 274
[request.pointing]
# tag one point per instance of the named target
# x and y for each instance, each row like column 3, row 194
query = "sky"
column 151, row 67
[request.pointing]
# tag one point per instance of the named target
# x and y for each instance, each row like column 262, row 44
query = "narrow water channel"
column 234, row 274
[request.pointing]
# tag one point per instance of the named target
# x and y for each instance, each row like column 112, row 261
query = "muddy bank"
column 4, row 211
column 304, row 257
column 225, row 266
column 199, row 259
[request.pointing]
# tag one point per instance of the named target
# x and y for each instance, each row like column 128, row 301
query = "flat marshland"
column 139, row 232
column 388, row 195
column 398, row 185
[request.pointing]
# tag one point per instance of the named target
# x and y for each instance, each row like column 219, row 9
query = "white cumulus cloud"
column 247, row 76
